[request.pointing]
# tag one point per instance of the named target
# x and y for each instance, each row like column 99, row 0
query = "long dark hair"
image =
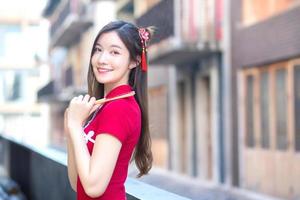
column 129, row 35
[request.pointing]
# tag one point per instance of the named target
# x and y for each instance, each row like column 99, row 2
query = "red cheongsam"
column 122, row 119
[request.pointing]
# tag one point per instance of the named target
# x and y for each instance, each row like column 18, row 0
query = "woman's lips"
column 104, row 70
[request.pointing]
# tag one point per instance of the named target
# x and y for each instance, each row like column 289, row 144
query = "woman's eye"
column 97, row 49
column 115, row 52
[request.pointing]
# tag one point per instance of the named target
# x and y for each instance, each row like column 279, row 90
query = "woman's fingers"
column 92, row 101
column 79, row 98
column 79, row 109
column 86, row 98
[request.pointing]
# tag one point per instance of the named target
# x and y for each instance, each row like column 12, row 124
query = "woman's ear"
column 132, row 65
column 135, row 63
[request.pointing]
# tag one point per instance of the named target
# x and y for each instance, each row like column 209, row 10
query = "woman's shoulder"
column 124, row 112
column 121, row 106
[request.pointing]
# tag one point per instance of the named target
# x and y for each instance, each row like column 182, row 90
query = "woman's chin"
column 104, row 81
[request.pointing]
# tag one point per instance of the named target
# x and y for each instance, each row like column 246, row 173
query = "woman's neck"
column 109, row 87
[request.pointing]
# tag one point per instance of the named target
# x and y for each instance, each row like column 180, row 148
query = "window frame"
column 256, row 72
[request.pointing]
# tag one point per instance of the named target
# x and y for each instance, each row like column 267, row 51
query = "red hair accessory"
column 145, row 36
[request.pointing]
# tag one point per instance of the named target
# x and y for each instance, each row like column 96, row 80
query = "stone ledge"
column 30, row 166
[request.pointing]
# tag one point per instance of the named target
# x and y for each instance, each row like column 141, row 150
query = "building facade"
column 22, row 71
column 184, row 84
column 265, row 62
column 223, row 84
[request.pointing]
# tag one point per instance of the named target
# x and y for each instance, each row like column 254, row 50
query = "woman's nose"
column 103, row 58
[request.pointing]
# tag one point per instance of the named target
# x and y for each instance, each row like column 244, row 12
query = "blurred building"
column 185, row 55
column 266, row 94
column 74, row 25
column 223, row 90
column 184, row 84
column 23, row 45
column 130, row 10
column 224, row 96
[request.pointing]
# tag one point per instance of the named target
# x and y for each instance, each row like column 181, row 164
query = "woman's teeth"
column 104, row 70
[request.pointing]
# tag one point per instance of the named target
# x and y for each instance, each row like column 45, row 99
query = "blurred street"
column 197, row 190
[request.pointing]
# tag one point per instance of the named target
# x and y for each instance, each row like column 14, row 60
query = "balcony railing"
column 66, row 10
column 50, row 7
column 46, row 91
column 198, row 21
column 185, row 32
column 71, row 21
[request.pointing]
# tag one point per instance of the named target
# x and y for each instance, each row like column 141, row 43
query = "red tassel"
column 144, row 61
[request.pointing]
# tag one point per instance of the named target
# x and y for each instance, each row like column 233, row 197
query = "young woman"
column 102, row 139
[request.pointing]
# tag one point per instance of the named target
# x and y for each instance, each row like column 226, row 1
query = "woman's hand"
column 79, row 109
column 66, row 129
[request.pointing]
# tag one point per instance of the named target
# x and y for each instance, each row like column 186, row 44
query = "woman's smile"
column 102, row 70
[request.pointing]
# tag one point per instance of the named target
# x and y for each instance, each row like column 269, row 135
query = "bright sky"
column 30, row 9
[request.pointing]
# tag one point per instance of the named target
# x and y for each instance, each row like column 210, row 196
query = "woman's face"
column 111, row 60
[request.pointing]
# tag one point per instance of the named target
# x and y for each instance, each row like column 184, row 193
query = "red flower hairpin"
column 145, row 36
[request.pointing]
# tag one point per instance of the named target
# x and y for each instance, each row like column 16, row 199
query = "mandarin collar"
column 119, row 90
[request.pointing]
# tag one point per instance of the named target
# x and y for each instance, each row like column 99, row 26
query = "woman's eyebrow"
column 113, row 45
column 116, row 46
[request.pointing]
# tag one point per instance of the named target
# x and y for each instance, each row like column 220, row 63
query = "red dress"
column 122, row 119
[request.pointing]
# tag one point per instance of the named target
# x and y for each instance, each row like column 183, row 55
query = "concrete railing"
column 42, row 174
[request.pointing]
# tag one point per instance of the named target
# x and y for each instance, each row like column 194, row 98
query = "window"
column 297, row 106
column 264, row 110
column 12, row 85
column 250, row 107
column 281, row 109
column 5, row 32
column 272, row 106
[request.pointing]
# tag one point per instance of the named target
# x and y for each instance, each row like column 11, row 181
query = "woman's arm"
column 72, row 172
column 95, row 171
